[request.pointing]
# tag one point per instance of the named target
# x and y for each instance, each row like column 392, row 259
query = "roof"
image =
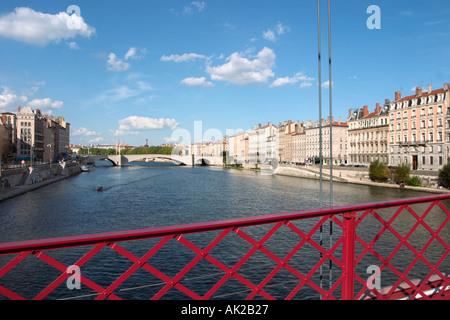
column 422, row 95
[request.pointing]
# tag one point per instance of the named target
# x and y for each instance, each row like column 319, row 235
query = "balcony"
column 413, row 143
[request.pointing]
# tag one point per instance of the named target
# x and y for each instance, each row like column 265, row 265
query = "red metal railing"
column 407, row 241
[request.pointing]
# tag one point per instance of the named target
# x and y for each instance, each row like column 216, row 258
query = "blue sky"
column 136, row 70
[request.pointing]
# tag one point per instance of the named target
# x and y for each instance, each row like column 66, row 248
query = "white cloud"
column 11, row 101
column 125, row 133
column 197, row 82
column 96, row 140
column 240, row 70
column 305, row 84
column 269, row 35
column 45, row 103
column 115, row 64
column 145, row 123
column 326, row 84
column 273, row 35
column 198, row 5
column 27, row 25
column 73, row 45
column 133, row 90
column 292, row 80
column 130, row 53
column 85, row 132
column 183, row 58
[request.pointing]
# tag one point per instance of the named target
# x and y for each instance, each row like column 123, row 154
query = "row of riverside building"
column 412, row 130
column 29, row 134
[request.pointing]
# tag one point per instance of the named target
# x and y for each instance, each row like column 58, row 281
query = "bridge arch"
column 107, row 159
column 153, row 157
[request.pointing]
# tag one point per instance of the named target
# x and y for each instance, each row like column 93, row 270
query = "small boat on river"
column 88, row 167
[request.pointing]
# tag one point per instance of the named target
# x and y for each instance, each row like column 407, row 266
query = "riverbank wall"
column 21, row 180
column 359, row 175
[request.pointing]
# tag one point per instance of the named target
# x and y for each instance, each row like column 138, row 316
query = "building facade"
column 417, row 129
column 7, row 136
column 30, row 135
column 335, row 135
column 368, row 135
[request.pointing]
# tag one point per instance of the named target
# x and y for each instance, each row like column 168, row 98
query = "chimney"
column 398, row 95
column 377, row 108
column 429, row 88
column 350, row 112
column 365, row 111
column 386, row 101
column 18, row 110
column 418, row 91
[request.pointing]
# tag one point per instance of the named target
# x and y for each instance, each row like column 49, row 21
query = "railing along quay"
column 382, row 250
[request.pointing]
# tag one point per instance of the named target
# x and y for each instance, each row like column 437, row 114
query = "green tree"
column 444, row 175
column 402, row 173
column 378, row 171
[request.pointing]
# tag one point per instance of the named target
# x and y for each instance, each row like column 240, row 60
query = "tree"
column 402, row 173
column 378, row 171
column 444, row 175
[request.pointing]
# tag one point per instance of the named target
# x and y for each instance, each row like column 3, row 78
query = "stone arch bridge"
column 120, row 160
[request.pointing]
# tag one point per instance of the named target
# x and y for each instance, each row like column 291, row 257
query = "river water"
column 145, row 195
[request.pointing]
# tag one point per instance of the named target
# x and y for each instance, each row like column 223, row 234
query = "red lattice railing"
column 326, row 253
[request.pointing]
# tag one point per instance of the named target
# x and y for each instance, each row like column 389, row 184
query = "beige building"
column 335, row 135
column 299, row 147
column 263, row 143
column 30, row 134
column 368, row 135
column 417, row 129
column 286, row 131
